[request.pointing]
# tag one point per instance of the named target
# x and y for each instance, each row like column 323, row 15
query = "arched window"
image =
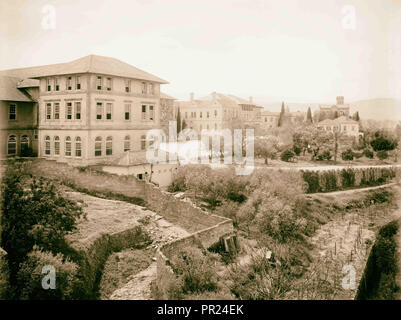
column 143, row 142
column 24, row 143
column 12, row 145
column 109, row 146
column 47, row 145
column 56, row 146
column 68, row 147
column 78, row 147
column 127, row 143
column 98, row 147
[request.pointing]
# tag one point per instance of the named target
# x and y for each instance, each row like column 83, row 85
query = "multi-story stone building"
column 218, row 111
column 90, row 110
column 342, row 124
column 330, row 111
column 18, row 117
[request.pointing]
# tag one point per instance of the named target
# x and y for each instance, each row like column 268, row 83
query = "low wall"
column 207, row 229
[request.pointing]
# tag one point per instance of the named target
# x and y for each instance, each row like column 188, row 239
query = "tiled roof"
column 166, row 96
column 342, row 119
column 9, row 90
column 88, row 64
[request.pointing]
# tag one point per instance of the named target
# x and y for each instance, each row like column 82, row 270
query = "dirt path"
column 358, row 190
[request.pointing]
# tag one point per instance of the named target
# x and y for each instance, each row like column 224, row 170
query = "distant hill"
column 378, row 109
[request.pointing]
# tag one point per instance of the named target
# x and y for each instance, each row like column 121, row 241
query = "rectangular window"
column 109, row 108
column 108, row 84
column 56, row 84
column 78, row 110
column 200, row 114
column 78, row 83
column 68, row 111
column 57, row 148
column 144, row 112
column 35, row 135
column 99, row 83
column 12, row 112
column 144, row 88
column 48, row 111
column 69, row 83
column 68, row 149
column 127, row 85
column 49, row 85
column 151, row 113
column 151, row 88
column 186, row 115
column 127, row 111
column 56, row 110
column 99, row 111
column 143, row 142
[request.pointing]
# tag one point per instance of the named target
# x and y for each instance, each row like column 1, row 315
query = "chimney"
column 214, row 95
column 191, row 95
column 340, row 100
column 250, row 100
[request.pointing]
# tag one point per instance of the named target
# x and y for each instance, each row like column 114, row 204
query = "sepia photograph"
column 206, row 152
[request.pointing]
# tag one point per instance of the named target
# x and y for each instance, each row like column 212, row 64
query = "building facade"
column 336, row 110
column 342, row 125
column 218, row 111
column 18, row 118
column 93, row 109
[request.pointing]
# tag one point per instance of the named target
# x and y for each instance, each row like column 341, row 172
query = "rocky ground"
column 110, row 216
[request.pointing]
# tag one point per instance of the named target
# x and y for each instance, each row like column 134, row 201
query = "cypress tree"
column 178, row 121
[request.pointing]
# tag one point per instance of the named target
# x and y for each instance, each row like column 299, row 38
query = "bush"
column 195, row 270
column 287, row 155
column 382, row 155
column 347, row 155
column 34, row 213
column 325, row 181
column 368, row 153
column 30, row 277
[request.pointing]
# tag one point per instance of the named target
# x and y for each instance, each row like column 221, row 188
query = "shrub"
column 195, row 270
column 347, row 155
column 287, row 155
column 34, row 213
column 30, row 277
column 368, row 153
column 382, row 155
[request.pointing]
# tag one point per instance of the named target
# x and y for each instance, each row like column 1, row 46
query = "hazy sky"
column 306, row 50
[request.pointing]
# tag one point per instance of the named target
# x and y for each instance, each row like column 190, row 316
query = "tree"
column 287, row 155
column 184, row 124
column 309, row 116
column 34, row 213
column 382, row 154
column 178, row 121
column 267, row 148
column 383, row 142
column 356, row 116
column 282, row 115
column 347, row 155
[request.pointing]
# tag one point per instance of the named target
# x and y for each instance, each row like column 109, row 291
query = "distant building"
column 342, row 124
column 339, row 109
column 269, row 119
column 218, row 111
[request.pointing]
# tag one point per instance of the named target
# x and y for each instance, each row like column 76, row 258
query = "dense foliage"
column 35, row 214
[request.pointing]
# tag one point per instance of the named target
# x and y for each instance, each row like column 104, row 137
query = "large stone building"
column 342, row 125
column 18, row 117
column 218, row 111
column 336, row 110
column 90, row 110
